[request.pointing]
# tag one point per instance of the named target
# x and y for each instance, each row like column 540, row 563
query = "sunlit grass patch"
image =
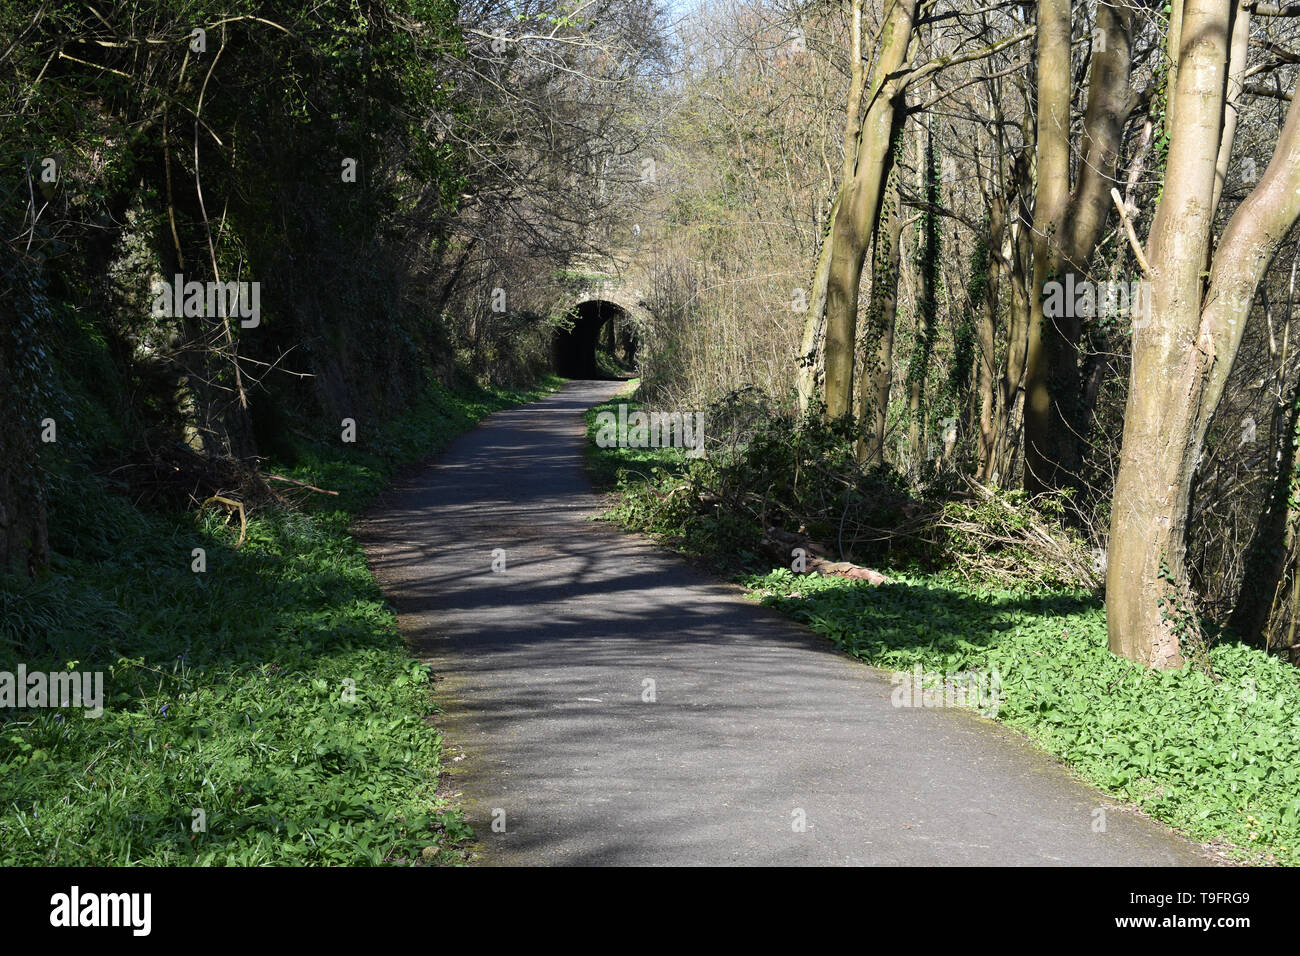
column 265, row 711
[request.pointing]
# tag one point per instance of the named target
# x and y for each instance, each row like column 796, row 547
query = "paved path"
column 541, row 673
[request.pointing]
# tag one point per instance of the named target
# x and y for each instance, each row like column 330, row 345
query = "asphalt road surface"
column 762, row 745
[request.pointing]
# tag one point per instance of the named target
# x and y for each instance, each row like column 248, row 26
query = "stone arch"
column 575, row 343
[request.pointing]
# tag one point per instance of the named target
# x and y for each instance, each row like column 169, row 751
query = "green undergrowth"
column 264, row 711
column 645, row 483
column 640, row 464
column 1212, row 751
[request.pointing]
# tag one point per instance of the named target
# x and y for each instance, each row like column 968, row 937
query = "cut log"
column 845, row 569
column 781, row 545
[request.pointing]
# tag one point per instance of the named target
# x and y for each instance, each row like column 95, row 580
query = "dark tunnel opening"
column 596, row 326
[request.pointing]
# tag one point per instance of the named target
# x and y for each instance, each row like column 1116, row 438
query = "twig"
column 302, row 484
column 1128, row 228
column 236, row 506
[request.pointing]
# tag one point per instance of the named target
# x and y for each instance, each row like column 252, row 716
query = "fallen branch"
column 300, row 484
column 782, row 544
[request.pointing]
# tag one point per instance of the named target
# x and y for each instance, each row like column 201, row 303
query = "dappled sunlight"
column 542, row 667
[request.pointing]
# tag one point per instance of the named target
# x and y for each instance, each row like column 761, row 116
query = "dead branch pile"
column 177, row 477
column 1000, row 536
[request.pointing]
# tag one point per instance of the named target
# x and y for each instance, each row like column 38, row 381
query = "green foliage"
column 1216, row 756
column 228, row 160
column 225, row 690
column 766, row 468
column 620, row 466
column 773, row 469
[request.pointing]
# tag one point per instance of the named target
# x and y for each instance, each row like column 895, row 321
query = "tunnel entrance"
column 598, row 326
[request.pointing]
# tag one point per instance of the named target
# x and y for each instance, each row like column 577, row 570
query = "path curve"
column 541, row 669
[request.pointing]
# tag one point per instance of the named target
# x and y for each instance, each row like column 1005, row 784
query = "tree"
column 858, row 204
column 874, row 120
column 1069, row 223
column 1183, row 355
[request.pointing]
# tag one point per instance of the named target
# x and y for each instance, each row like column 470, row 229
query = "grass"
column 606, row 463
column 1213, row 752
column 265, row 711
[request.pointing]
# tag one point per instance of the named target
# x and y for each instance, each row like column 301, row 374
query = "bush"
column 766, row 469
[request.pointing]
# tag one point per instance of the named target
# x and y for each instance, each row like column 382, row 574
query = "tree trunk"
column 878, row 371
column 1238, row 53
column 811, row 371
column 1068, row 225
column 1051, row 195
column 1010, row 388
column 1182, row 358
column 859, row 210
column 986, row 338
column 927, row 293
